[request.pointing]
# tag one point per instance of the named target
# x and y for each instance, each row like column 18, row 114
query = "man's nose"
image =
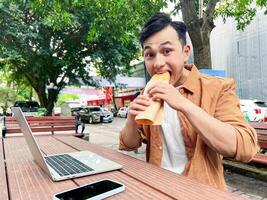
column 159, row 61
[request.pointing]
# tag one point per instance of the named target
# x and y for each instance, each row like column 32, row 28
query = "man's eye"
column 149, row 55
column 166, row 51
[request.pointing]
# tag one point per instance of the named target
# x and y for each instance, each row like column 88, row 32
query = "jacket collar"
column 191, row 83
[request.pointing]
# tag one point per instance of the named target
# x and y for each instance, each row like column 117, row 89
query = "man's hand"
column 129, row 134
column 168, row 93
column 138, row 105
column 219, row 136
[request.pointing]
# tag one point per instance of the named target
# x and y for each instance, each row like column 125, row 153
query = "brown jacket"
column 217, row 97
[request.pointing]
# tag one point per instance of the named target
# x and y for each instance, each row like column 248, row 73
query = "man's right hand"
column 131, row 138
column 139, row 104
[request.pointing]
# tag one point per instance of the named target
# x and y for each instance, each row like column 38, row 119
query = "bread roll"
column 153, row 115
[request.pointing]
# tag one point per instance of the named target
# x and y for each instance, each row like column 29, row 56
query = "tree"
column 243, row 11
column 10, row 91
column 62, row 98
column 7, row 97
column 200, row 22
column 54, row 43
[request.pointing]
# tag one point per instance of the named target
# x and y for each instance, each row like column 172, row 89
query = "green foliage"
column 243, row 11
column 62, row 98
column 11, row 91
column 47, row 42
column 7, row 97
column 41, row 112
column 199, row 29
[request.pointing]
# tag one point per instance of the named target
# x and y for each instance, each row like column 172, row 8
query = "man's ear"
column 187, row 51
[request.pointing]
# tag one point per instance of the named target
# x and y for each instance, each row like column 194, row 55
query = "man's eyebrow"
column 162, row 44
column 147, row 47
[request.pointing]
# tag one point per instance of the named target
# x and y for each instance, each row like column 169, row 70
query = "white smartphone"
column 92, row 191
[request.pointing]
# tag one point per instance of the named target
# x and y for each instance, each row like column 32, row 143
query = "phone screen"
column 89, row 191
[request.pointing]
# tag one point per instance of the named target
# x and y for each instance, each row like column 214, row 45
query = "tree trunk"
column 51, row 100
column 199, row 30
column 47, row 97
column 47, row 100
column 202, row 55
column 31, row 93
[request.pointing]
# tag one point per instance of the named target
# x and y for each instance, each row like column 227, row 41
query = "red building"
column 124, row 97
column 94, row 96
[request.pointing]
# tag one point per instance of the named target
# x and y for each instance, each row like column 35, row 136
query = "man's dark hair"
column 160, row 21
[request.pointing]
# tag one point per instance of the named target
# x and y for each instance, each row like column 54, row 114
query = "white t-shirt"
column 174, row 156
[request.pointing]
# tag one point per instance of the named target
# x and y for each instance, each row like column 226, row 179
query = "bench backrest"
column 261, row 129
column 259, row 125
column 42, row 124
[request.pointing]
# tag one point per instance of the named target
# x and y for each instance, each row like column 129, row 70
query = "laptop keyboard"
column 65, row 164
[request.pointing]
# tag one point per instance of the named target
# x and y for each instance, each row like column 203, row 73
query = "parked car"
column 75, row 110
column 254, row 110
column 123, row 112
column 29, row 108
column 57, row 111
column 90, row 114
column 108, row 116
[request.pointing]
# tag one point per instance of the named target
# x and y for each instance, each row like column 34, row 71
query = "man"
column 78, row 122
column 102, row 113
column 202, row 118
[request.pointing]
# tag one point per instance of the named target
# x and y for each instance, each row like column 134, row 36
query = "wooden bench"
column 44, row 124
column 261, row 129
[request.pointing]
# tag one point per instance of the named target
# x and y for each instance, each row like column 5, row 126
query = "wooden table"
column 21, row 178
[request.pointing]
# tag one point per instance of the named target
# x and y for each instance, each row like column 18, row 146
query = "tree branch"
column 211, row 7
column 208, row 23
column 188, row 10
column 192, row 21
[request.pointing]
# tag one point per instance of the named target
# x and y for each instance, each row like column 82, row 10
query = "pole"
column 200, row 11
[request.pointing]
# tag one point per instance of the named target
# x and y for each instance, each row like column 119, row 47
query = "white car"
column 57, row 111
column 254, row 110
column 123, row 111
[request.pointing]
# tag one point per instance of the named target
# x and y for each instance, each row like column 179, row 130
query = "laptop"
column 67, row 165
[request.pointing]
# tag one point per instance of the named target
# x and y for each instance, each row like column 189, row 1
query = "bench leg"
column 4, row 132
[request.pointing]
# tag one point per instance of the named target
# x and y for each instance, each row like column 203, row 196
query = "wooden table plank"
column 134, row 188
column 50, row 145
column 3, row 182
column 26, row 179
column 165, row 181
column 142, row 180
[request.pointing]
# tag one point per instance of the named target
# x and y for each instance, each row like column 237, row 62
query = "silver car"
column 108, row 116
column 90, row 114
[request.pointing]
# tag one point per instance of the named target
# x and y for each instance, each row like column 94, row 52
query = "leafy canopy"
column 59, row 41
column 243, row 11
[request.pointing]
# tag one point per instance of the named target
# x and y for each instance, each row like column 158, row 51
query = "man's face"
column 163, row 52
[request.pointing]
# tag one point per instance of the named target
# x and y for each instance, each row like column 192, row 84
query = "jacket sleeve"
column 228, row 111
column 123, row 146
